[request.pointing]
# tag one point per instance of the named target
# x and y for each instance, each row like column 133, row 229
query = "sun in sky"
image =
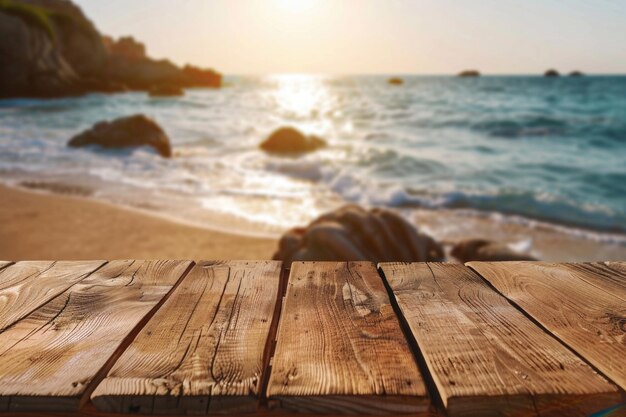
column 374, row 36
column 294, row 6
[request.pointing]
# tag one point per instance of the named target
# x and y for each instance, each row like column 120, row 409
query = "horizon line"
column 482, row 74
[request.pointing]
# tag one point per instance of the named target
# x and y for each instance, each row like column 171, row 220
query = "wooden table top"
column 177, row 337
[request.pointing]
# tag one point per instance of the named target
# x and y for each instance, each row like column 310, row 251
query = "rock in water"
column 137, row 130
column 487, row 251
column 166, row 91
column 551, row 73
column 395, row 81
column 576, row 74
column 289, row 140
column 352, row 233
column 469, row 73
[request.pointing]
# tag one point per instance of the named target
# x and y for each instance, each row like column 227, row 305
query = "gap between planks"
column 467, row 397
column 270, row 346
column 539, row 324
column 4, row 264
column 102, row 373
column 431, row 386
column 30, row 401
column 204, row 357
column 482, row 269
column 353, row 357
column 271, row 340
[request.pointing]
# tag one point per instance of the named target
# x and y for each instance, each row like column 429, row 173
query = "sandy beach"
column 42, row 226
column 59, row 223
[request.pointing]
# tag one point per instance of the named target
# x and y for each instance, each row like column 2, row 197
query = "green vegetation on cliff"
column 38, row 17
column 43, row 18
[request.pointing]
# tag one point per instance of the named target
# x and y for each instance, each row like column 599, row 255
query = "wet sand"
column 41, row 222
column 35, row 225
column 543, row 241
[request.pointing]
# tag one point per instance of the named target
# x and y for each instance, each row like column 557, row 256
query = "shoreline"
column 39, row 226
column 34, row 224
column 44, row 188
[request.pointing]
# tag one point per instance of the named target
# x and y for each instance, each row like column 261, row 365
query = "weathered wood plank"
column 607, row 277
column 340, row 348
column 485, row 357
column 612, row 275
column 618, row 266
column 26, row 285
column 203, row 351
column 49, row 359
column 569, row 303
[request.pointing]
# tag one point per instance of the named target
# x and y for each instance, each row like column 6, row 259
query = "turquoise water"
column 543, row 149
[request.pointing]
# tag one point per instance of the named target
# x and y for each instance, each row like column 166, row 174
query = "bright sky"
column 375, row 36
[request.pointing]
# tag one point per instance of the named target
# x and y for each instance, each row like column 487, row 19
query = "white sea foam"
column 493, row 148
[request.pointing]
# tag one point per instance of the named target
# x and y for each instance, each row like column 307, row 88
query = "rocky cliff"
column 49, row 48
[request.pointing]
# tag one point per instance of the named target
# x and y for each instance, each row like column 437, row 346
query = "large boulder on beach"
column 395, row 81
column 486, row 251
column 132, row 131
column 352, row 233
column 288, row 140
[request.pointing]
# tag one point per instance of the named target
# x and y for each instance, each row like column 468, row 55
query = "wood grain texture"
column 485, row 357
column 4, row 264
column 49, row 358
column 573, row 304
column 203, row 351
column 26, row 285
column 612, row 275
column 340, row 348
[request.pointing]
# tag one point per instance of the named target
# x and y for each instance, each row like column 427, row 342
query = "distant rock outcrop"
column 288, row 140
column 49, row 48
column 74, row 35
column 352, row 233
column 132, row 131
column 551, row 73
column 395, row 81
column 32, row 64
column 126, row 47
column 576, row 74
column 469, row 73
column 199, row 77
column 487, row 251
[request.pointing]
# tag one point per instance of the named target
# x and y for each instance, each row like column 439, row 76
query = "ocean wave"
column 436, row 143
column 522, row 127
column 523, row 204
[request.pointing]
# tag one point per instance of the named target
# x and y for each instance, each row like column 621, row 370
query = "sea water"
column 542, row 149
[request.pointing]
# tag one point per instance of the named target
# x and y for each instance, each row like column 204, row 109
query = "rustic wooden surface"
column 340, row 345
column 571, row 302
column 49, row 359
column 512, row 339
column 27, row 285
column 203, row 351
column 484, row 355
